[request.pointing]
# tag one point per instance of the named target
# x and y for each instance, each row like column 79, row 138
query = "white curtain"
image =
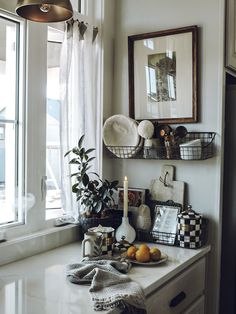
column 80, row 100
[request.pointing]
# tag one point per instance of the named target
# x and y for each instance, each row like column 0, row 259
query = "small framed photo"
column 165, row 223
column 136, row 197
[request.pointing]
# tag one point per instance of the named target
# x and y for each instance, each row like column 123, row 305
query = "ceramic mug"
column 92, row 244
column 108, row 238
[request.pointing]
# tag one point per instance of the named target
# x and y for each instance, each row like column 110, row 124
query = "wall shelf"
column 171, row 151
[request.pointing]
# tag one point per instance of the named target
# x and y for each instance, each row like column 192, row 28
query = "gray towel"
column 110, row 287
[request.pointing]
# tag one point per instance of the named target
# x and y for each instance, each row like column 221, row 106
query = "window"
column 29, row 122
column 11, row 114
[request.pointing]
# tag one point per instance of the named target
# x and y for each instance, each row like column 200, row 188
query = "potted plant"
column 94, row 195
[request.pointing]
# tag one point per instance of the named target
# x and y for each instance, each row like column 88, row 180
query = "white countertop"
column 38, row 285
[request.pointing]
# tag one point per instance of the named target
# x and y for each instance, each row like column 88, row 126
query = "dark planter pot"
column 114, row 221
column 92, row 222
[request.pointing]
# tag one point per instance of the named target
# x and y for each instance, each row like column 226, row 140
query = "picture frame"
column 165, row 223
column 163, row 75
column 230, row 57
column 136, row 197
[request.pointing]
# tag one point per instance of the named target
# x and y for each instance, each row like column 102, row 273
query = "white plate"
column 163, row 259
column 120, row 135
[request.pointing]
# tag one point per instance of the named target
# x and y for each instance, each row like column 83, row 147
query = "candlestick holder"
column 125, row 230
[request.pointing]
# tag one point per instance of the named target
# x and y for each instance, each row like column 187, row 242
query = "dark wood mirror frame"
column 230, row 58
column 148, row 65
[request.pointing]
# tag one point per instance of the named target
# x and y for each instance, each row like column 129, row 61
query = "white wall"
column 203, row 178
column 8, row 5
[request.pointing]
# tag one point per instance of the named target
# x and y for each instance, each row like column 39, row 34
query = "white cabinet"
column 179, row 295
column 198, row 307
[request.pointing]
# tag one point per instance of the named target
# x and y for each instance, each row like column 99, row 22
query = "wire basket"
column 175, row 150
column 157, row 237
column 164, row 238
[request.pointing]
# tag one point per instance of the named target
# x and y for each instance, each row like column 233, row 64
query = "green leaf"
column 75, row 184
column 81, row 141
column 96, row 183
column 87, row 167
column 74, row 161
column 74, row 174
column 75, row 150
column 91, row 186
column 89, row 151
column 114, row 184
column 68, row 153
column 102, row 189
column 98, row 207
column 85, row 179
column 74, row 189
column 90, row 159
column 106, row 200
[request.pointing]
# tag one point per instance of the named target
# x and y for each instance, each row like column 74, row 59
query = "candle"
column 126, row 197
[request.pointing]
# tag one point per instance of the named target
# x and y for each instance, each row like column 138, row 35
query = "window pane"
column 9, row 121
column 8, row 70
column 53, row 199
column 8, row 189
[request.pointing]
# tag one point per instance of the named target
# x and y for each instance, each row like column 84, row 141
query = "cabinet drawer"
column 180, row 292
column 198, row 307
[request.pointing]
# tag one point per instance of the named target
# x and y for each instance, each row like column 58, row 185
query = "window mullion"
column 36, row 121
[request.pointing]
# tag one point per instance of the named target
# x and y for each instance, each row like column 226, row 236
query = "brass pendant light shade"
column 45, row 11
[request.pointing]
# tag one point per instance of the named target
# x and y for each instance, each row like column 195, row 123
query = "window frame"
column 18, row 122
column 31, row 90
column 33, row 78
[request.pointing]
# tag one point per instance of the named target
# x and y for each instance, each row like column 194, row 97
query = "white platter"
column 164, row 258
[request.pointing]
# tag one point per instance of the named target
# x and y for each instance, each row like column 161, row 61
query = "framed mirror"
column 163, row 75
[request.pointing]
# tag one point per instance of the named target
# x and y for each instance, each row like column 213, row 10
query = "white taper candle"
column 126, row 196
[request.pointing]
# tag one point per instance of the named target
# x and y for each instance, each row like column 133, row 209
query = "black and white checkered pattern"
column 108, row 243
column 108, row 239
column 189, row 230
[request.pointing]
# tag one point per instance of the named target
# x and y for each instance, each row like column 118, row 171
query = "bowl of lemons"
column 144, row 255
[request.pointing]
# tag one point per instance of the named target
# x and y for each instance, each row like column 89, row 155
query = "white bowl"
column 191, row 150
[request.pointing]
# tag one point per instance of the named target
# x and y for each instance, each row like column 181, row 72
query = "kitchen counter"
column 38, row 285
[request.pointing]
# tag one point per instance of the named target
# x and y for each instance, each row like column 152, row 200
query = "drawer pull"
column 178, row 299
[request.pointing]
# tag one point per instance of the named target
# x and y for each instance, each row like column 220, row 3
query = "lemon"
column 144, row 247
column 131, row 252
column 155, row 254
column 142, row 255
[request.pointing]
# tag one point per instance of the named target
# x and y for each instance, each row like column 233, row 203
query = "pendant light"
column 45, row 10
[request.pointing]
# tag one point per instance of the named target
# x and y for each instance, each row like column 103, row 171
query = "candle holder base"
column 125, row 231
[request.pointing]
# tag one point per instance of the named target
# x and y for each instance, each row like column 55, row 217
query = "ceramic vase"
column 125, row 231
